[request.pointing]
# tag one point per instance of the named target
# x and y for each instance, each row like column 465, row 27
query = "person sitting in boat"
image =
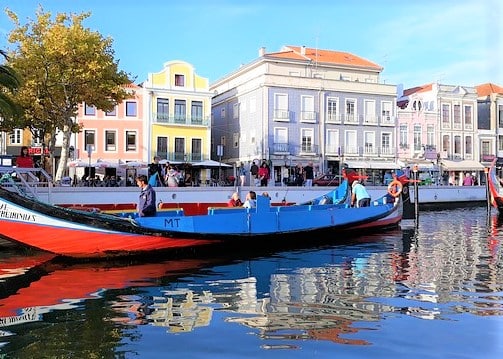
column 359, row 197
column 235, row 201
column 251, row 200
column 147, row 204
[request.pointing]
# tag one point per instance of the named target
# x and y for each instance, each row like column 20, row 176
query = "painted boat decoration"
column 494, row 182
column 72, row 233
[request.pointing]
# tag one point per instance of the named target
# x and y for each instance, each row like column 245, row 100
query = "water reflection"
column 338, row 294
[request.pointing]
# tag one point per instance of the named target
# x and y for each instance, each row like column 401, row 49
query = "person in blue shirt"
column 360, row 197
column 146, row 204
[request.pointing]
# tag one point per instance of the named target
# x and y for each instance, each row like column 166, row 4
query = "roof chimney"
column 261, row 51
column 303, row 50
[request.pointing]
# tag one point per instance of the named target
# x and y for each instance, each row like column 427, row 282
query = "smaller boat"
column 80, row 234
column 495, row 184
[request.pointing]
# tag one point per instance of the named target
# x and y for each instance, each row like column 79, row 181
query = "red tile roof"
column 324, row 56
column 488, row 88
column 422, row 88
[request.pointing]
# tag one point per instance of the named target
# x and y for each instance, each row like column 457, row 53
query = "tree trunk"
column 62, row 165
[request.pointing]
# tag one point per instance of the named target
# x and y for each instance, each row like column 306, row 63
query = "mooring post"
column 416, row 193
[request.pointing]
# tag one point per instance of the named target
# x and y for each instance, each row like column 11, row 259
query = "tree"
column 9, row 82
column 62, row 64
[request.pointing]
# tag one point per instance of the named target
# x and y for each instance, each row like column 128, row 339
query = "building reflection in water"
column 424, row 275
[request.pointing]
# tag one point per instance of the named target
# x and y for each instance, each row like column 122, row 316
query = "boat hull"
column 81, row 234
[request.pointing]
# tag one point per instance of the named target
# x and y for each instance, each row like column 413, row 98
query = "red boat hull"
column 91, row 243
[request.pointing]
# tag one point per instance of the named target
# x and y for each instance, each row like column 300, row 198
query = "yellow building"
column 178, row 114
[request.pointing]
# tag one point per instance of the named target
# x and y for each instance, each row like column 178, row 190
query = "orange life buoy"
column 395, row 188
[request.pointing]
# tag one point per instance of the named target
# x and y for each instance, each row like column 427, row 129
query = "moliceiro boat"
column 495, row 183
column 73, row 233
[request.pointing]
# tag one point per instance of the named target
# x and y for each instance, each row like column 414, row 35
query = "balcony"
column 370, row 120
column 163, row 118
column 387, row 120
column 333, row 118
column 351, row 118
column 281, row 115
column 308, row 116
column 280, row 149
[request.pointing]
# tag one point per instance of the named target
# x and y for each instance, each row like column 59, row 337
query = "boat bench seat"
column 225, row 210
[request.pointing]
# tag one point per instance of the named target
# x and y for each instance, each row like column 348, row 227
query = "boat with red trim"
column 73, row 233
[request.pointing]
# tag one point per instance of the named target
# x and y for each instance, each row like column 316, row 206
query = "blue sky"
column 417, row 42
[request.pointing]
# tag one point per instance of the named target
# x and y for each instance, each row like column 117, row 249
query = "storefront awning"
column 374, row 165
column 465, row 165
column 422, row 164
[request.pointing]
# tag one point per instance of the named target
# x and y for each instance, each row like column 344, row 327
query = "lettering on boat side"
column 6, row 212
column 171, row 222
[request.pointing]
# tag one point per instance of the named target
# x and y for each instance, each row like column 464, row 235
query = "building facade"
column 177, row 109
column 302, row 105
column 490, row 121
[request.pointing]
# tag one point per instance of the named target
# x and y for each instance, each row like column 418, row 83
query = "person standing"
column 254, row 173
column 360, row 197
column 24, row 159
column 146, row 203
column 263, row 174
column 309, row 174
column 242, row 175
column 155, row 172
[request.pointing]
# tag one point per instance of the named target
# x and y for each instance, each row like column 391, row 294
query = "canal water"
column 431, row 290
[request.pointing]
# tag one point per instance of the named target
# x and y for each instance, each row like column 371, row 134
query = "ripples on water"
column 430, row 292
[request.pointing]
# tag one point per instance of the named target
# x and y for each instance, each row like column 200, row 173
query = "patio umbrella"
column 104, row 164
column 78, row 163
column 210, row 164
column 134, row 164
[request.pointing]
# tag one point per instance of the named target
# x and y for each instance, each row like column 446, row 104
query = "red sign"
column 37, row 151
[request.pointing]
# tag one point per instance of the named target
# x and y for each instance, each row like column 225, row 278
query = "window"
column 235, row 139
column 457, row 145
column 333, row 141
column 404, row 136
column 16, row 137
column 130, row 141
column 112, row 112
column 430, row 135
column 386, row 143
column 180, row 111
column 468, row 145
column 332, row 110
column 307, row 139
column 370, row 111
column 350, row 110
column 196, row 154
column 222, row 140
column 485, row 148
column 280, row 139
column 162, row 147
column 457, row 116
column 446, row 143
column 369, row 142
column 500, row 117
column 89, row 139
column 89, row 110
column 468, row 116
column 179, row 149
column 197, row 112
column 222, row 113
column 417, row 138
column 386, row 111
column 350, row 142
column 110, row 141
column 307, row 113
column 38, row 138
column 162, row 109
column 281, row 107
column 131, row 109
column 446, row 114
column 235, row 111
column 179, row 80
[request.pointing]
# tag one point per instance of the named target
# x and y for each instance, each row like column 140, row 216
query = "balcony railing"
column 333, row 118
column 308, row 116
column 280, row 148
column 281, row 115
column 164, row 118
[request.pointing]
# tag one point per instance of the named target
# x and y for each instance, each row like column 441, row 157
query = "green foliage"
column 62, row 64
column 9, row 83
